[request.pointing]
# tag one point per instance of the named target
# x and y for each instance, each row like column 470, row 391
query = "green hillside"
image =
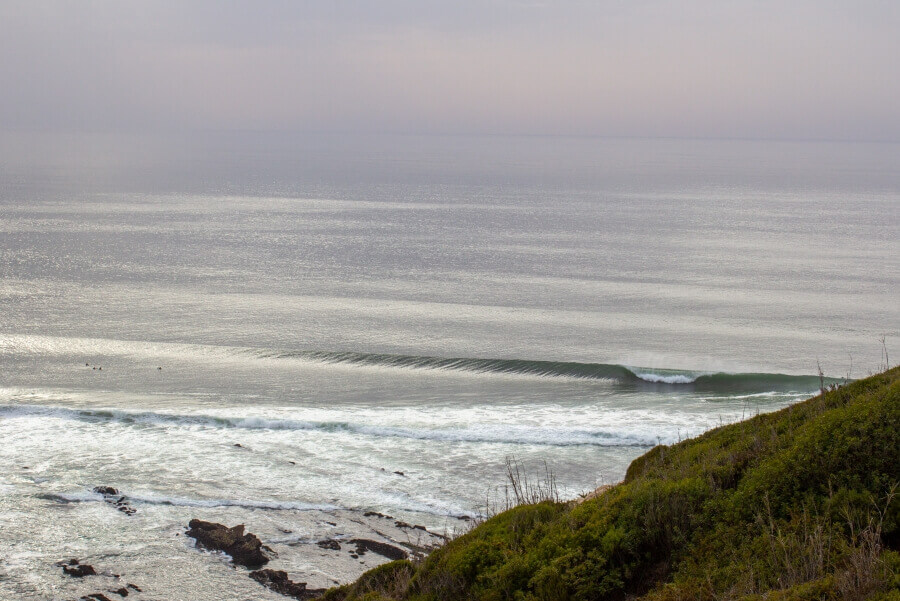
column 797, row 504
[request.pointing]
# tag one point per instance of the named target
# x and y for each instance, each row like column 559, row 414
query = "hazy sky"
column 707, row 68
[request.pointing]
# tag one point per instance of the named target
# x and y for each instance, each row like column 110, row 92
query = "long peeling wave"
column 620, row 374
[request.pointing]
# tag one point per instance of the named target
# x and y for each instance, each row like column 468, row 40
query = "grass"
column 793, row 505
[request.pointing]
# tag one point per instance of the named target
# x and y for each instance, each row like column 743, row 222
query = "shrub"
column 797, row 504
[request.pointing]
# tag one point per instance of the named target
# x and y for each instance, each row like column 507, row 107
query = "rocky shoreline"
column 246, row 550
column 249, row 556
column 75, row 569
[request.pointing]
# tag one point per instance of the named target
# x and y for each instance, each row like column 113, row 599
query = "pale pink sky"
column 697, row 68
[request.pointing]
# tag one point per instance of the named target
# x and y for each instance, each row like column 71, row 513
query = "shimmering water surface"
column 379, row 322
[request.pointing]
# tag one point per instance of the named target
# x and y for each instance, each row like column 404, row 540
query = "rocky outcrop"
column 278, row 581
column 114, row 498
column 77, row 570
column 245, row 549
column 383, row 549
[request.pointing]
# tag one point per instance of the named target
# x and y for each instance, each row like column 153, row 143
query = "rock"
column 278, row 581
column 329, row 544
column 122, row 592
column 375, row 514
column 383, row 549
column 114, row 498
column 134, row 587
column 244, row 549
column 76, row 570
column 96, row 597
column 400, row 474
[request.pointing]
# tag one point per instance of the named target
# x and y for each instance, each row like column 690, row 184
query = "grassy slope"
column 787, row 505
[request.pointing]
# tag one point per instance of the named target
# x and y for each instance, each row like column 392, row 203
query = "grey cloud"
column 646, row 68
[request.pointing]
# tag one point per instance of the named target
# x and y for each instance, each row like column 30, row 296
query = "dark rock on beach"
column 122, row 592
column 114, row 498
column 329, row 544
column 77, row 570
column 96, row 597
column 383, row 549
column 278, row 581
column 244, row 549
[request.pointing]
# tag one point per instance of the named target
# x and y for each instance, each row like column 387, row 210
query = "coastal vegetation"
column 794, row 505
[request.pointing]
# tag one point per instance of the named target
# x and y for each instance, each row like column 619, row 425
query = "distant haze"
column 705, row 68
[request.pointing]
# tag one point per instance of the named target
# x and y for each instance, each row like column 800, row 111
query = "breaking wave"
column 621, row 374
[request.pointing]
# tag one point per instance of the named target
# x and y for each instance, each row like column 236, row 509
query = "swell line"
column 622, row 375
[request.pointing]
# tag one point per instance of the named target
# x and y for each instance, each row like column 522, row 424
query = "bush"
column 797, row 504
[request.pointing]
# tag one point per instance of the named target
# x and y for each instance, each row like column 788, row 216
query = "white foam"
column 483, row 433
column 666, row 378
column 150, row 499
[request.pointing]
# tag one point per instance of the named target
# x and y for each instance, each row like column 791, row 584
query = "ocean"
column 294, row 331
